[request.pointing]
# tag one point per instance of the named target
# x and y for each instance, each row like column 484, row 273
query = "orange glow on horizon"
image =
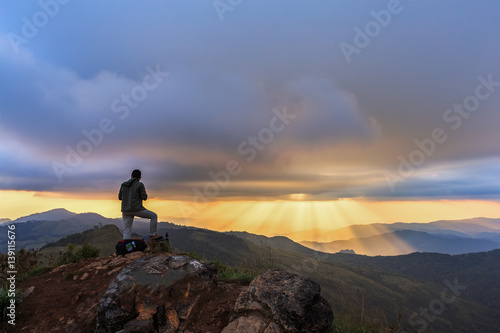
column 299, row 220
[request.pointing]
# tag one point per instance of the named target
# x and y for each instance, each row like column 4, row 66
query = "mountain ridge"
column 37, row 233
column 470, row 227
column 56, row 214
column 404, row 241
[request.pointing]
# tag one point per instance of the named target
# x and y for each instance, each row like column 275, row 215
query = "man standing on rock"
column 132, row 192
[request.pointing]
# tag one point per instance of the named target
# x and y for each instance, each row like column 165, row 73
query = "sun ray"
column 300, row 220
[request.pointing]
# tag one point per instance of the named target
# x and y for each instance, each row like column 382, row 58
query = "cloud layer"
column 92, row 90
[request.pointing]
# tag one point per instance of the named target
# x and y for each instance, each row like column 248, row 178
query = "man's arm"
column 120, row 194
column 142, row 192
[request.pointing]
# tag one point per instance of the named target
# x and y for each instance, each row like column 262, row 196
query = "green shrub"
column 88, row 251
column 156, row 247
column 25, row 262
column 84, row 252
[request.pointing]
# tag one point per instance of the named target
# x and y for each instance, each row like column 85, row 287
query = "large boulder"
column 155, row 294
column 278, row 301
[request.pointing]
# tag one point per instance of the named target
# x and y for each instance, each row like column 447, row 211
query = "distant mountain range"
column 407, row 241
column 447, row 237
column 476, row 228
column 36, row 230
column 51, row 215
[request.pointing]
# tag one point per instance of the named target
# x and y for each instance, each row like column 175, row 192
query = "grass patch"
column 348, row 324
column 234, row 273
column 37, row 271
column 193, row 255
column 227, row 273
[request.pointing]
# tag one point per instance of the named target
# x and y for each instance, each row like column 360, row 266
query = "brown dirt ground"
column 59, row 303
column 214, row 315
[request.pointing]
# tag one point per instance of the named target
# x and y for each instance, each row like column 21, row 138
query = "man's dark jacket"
column 132, row 192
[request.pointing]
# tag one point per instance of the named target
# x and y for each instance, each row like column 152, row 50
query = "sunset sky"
column 265, row 116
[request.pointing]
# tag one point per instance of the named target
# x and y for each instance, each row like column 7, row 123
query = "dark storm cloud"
column 224, row 80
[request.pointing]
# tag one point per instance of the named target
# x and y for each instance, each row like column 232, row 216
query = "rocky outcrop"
column 165, row 294
column 155, row 294
column 278, row 301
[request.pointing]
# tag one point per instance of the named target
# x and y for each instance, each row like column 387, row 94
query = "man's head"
column 136, row 174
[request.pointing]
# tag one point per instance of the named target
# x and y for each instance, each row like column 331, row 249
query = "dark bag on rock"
column 130, row 245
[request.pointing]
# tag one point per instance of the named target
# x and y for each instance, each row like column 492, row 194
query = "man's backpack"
column 130, row 245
